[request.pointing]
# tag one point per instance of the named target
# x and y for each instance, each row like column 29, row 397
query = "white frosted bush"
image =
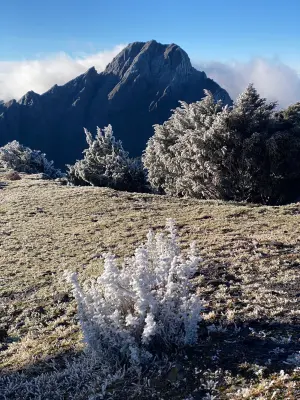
column 247, row 152
column 106, row 163
column 144, row 308
column 20, row 158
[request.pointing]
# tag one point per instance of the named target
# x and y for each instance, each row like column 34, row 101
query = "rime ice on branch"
column 145, row 307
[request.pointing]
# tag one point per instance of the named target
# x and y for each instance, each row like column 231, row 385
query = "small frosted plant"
column 107, row 164
column 15, row 156
column 144, row 308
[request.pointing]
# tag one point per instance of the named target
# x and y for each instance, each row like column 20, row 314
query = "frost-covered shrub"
column 144, row 308
column 15, row 156
column 246, row 152
column 106, row 163
column 184, row 131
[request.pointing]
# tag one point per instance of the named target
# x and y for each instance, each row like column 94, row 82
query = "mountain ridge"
column 137, row 89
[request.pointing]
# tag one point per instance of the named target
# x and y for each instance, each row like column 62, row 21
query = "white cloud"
column 272, row 78
column 18, row 77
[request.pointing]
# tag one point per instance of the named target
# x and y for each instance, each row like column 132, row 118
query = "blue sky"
column 47, row 42
column 206, row 29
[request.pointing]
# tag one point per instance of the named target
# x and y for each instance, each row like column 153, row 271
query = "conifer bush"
column 247, row 152
column 14, row 156
column 106, row 163
column 144, row 308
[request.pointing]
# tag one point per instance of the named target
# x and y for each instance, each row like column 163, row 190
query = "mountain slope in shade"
column 137, row 89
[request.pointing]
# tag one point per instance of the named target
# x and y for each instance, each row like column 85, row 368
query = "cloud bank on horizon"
column 272, row 78
column 19, row 77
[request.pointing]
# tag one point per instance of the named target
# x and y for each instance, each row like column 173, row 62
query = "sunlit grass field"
column 249, row 278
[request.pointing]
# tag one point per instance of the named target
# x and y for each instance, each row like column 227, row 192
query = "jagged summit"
column 138, row 89
column 29, row 98
column 150, row 58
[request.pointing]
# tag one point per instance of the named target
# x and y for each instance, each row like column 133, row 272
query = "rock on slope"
column 137, row 89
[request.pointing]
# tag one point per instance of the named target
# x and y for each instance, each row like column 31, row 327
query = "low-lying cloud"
column 18, row 77
column 272, row 78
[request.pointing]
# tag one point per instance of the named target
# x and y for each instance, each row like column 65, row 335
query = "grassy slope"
column 250, row 276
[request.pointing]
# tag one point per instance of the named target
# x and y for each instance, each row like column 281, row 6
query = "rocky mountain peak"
column 91, row 72
column 150, row 59
column 138, row 89
column 29, row 98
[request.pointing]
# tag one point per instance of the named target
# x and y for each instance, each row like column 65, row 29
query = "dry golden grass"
column 249, row 277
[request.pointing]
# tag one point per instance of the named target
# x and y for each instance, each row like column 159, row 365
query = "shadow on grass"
column 260, row 343
column 243, row 350
column 43, row 366
column 248, row 353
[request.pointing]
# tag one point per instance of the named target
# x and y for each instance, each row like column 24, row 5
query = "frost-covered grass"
column 249, row 280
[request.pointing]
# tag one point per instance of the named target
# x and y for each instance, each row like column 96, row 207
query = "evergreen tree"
column 106, row 163
column 245, row 168
column 283, row 148
column 172, row 148
column 248, row 152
